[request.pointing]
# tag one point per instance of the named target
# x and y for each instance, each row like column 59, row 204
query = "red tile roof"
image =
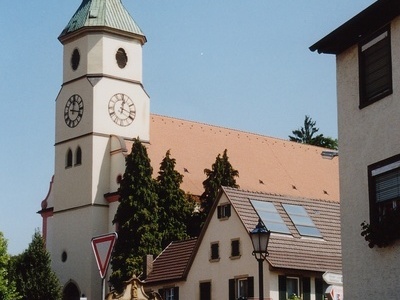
column 265, row 164
column 172, row 263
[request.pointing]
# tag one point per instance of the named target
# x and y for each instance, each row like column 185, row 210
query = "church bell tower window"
column 78, row 156
column 68, row 159
column 75, row 59
column 121, row 57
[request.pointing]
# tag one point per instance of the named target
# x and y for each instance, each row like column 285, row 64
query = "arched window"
column 71, row 292
column 78, row 156
column 68, row 159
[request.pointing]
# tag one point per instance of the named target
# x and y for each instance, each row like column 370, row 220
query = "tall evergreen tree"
column 175, row 209
column 33, row 275
column 307, row 135
column 221, row 174
column 136, row 218
column 7, row 285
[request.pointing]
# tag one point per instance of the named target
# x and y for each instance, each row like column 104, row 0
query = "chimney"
column 147, row 265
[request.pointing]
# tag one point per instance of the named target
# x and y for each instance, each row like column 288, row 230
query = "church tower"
column 102, row 96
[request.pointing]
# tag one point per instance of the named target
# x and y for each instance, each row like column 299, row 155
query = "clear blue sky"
column 238, row 64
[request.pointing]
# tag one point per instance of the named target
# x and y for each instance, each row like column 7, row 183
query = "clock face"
column 73, row 111
column 121, row 109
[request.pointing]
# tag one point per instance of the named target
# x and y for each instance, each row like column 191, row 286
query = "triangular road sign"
column 102, row 248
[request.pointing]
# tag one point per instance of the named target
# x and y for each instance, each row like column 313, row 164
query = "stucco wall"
column 366, row 136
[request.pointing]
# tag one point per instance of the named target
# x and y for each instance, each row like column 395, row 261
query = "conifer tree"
column 7, row 285
column 221, row 174
column 33, row 275
column 175, row 208
column 136, row 218
column 307, row 134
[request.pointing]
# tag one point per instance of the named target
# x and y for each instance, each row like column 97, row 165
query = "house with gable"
column 304, row 244
column 367, row 50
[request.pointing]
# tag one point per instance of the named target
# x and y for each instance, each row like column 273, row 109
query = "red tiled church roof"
column 265, row 164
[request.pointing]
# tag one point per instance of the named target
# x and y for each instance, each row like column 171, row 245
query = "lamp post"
column 260, row 239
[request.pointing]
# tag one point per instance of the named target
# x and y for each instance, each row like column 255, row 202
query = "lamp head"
column 260, row 238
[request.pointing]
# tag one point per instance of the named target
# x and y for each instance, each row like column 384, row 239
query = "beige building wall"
column 366, row 136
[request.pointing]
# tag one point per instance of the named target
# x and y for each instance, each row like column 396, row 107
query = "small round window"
column 121, row 58
column 75, row 59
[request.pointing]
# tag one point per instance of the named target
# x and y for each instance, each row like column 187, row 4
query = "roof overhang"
column 366, row 22
column 65, row 38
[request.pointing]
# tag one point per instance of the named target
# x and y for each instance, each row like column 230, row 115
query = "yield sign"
column 102, row 248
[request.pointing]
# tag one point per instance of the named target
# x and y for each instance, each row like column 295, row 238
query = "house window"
column 241, row 288
column 292, row 285
column 169, row 293
column 214, row 251
column 384, row 188
column 224, row 211
column 68, row 159
column 78, row 156
column 205, row 290
column 235, row 248
column 375, row 68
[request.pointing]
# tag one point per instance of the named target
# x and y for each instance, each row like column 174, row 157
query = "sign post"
column 335, row 288
column 103, row 246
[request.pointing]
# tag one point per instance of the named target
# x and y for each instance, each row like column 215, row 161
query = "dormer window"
column 375, row 68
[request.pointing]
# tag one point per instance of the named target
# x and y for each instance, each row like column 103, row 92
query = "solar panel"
column 270, row 216
column 301, row 220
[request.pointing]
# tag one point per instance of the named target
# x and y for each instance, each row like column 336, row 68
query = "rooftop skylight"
column 270, row 216
column 301, row 220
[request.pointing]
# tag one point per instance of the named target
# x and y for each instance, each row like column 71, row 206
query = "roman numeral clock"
column 121, row 109
column 73, row 111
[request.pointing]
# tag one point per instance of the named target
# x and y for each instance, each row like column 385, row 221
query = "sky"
column 238, row 64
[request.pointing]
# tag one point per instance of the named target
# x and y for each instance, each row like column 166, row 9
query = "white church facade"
column 102, row 106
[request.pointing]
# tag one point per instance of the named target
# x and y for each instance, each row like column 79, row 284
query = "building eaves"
column 102, row 14
column 357, row 28
column 172, row 264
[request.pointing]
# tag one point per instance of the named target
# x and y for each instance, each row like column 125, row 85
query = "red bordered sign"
column 103, row 246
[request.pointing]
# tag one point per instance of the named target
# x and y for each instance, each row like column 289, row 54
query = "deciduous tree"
column 7, row 285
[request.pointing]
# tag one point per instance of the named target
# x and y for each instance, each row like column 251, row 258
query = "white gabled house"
column 304, row 244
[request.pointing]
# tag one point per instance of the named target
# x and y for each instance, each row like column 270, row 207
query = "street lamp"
column 260, row 239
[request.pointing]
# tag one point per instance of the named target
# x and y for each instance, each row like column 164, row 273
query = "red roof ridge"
column 301, row 145
column 260, row 193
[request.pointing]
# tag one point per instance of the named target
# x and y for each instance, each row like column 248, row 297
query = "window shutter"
column 176, row 293
column 250, row 287
column 282, row 287
column 228, row 210
column 306, row 288
column 319, row 286
column 219, row 208
column 231, row 289
column 161, row 292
